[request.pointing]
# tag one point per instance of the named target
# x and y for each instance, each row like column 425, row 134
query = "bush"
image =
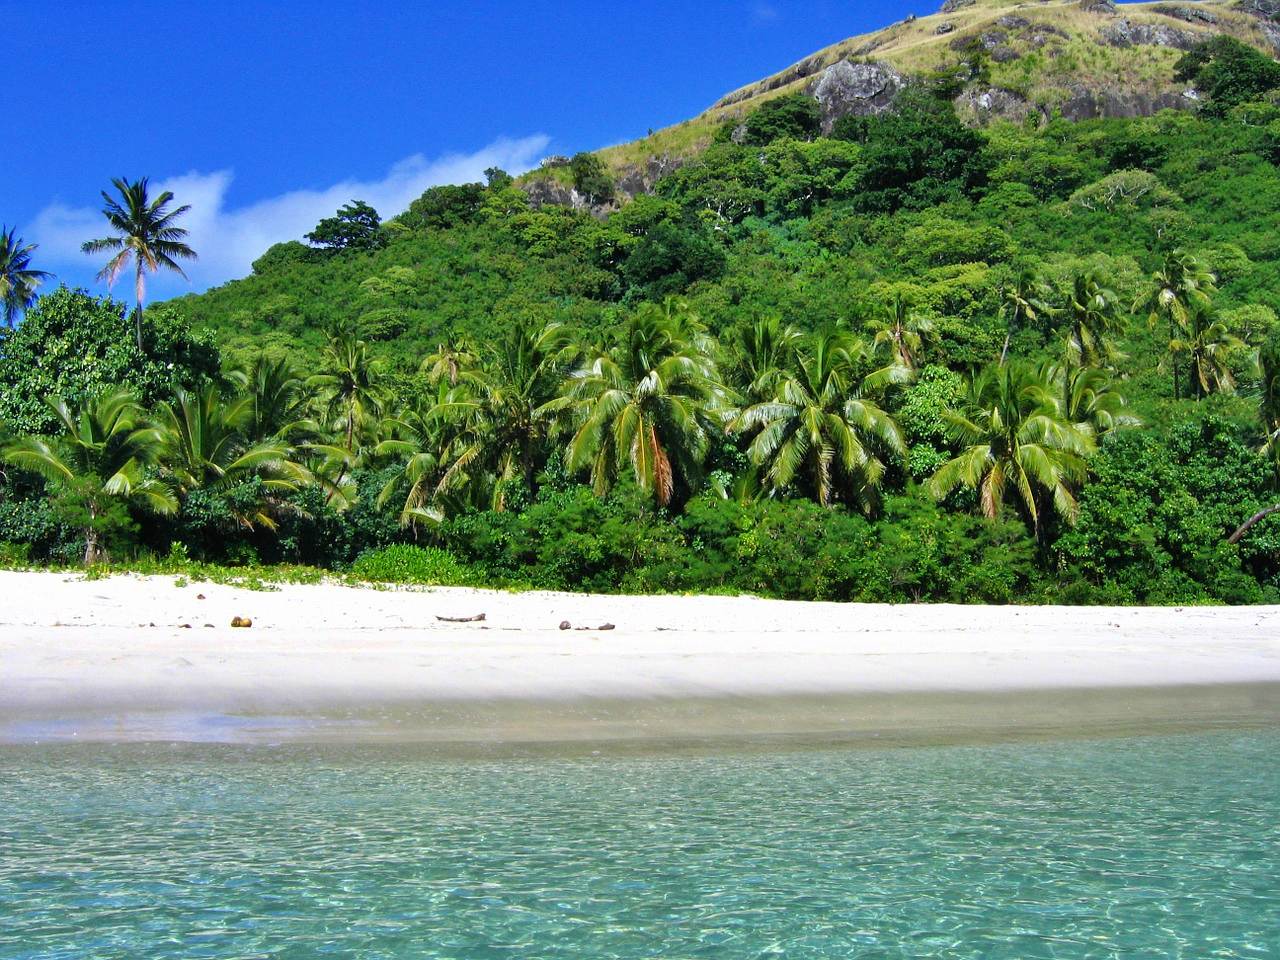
column 406, row 563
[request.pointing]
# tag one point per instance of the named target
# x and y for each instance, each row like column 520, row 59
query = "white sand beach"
column 129, row 657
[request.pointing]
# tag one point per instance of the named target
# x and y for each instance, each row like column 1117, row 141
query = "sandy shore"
column 132, row 657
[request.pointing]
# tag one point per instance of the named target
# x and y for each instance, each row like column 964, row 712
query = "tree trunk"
column 1255, row 519
column 92, row 552
column 137, row 290
column 1174, row 361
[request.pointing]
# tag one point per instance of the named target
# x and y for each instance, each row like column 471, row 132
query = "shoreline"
column 131, row 658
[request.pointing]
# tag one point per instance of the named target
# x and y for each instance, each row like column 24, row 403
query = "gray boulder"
column 951, row 6
column 855, row 89
column 1126, row 34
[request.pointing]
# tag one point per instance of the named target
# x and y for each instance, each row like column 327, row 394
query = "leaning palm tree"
column 1091, row 317
column 147, row 236
column 1015, row 442
column 1180, row 287
column 204, row 447
column 901, row 331
column 18, row 279
column 349, row 386
column 99, row 458
column 820, row 428
column 650, row 402
column 1208, row 345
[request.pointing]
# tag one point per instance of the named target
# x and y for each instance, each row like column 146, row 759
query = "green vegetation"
column 911, row 360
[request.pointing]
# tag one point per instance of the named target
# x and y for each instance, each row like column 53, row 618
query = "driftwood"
column 476, row 619
column 1256, row 518
column 603, row 626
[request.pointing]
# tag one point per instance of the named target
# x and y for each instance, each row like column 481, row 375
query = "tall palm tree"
column 901, row 332
column 819, row 428
column 1024, row 303
column 651, row 401
column 18, row 279
column 349, row 383
column 1179, row 288
column 1091, row 316
column 1208, row 345
column 146, row 235
column 99, row 458
column 204, row 447
column 1016, row 441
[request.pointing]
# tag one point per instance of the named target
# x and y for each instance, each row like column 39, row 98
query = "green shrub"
column 406, row 563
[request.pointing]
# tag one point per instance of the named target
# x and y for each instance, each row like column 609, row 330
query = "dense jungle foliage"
column 907, row 361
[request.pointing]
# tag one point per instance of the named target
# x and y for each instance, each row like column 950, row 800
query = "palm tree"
column 1208, row 344
column 437, row 453
column 763, row 351
column 650, row 401
column 1015, row 440
column 205, row 448
column 819, row 428
column 1180, row 287
column 18, row 280
column 146, row 236
column 349, row 384
column 1088, row 398
column 277, row 400
column 99, row 458
column 901, row 332
column 1091, row 315
column 448, row 361
column 1023, row 303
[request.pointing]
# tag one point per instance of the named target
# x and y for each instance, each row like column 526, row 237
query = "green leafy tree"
column 18, row 279
column 356, row 226
column 820, row 430
column 792, row 117
column 1227, row 72
column 73, row 345
column 146, row 236
column 1015, row 441
column 1179, row 289
column 591, row 179
column 97, row 465
column 650, row 403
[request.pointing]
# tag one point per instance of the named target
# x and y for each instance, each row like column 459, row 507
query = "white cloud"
column 229, row 239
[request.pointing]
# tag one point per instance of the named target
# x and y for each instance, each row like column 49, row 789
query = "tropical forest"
column 917, row 349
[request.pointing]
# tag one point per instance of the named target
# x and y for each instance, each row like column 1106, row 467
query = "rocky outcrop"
column 855, row 89
column 1122, row 33
column 1104, row 7
column 1186, row 14
column 951, row 6
column 1085, row 104
column 634, row 181
column 983, row 106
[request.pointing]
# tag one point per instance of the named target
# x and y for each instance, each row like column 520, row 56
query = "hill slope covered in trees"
column 890, row 354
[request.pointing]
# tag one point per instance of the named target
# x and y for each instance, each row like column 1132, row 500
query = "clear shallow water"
column 1156, row 847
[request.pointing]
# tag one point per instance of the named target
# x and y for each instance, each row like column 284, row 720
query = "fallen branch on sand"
column 476, row 619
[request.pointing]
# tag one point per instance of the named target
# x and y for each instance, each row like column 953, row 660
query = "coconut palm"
column 277, row 400
column 651, row 401
column 205, row 447
column 448, row 361
column 1180, row 287
column 349, row 387
column 98, row 459
column 1088, row 398
column 820, row 429
column 146, row 236
column 1015, row 442
column 1091, row 317
column 1208, row 345
column 763, row 351
column 1023, row 304
column 18, row 279
column 901, row 332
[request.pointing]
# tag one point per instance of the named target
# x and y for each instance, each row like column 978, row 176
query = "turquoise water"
column 1156, row 847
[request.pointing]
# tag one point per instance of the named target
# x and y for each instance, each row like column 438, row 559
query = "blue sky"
column 267, row 116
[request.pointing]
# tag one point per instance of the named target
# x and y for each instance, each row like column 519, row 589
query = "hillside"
column 1066, row 57
column 878, row 354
